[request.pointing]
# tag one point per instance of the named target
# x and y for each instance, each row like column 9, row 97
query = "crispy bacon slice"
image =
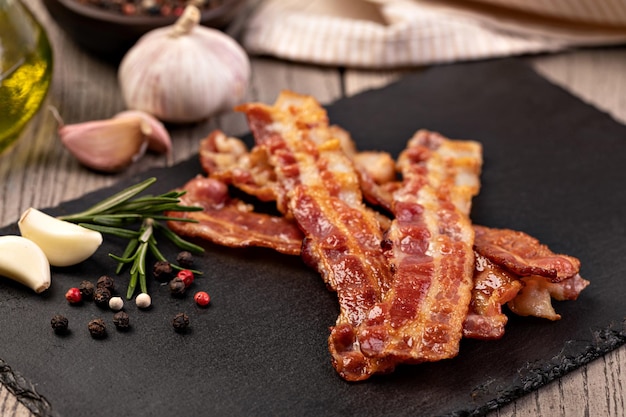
column 523, row 254
column 227, row 159
column 535, row 298
column 493, row 287
column 321, row 188
column 294, row 132
column 429, row 247
column 230, row 222
column 377, row 174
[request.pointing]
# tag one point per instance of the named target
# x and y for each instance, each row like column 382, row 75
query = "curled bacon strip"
column 535, row 298
column 321, row 189
column 493, row 287
column 227, row 159
column 523, row 254
column 429, row 246
column 230, row 222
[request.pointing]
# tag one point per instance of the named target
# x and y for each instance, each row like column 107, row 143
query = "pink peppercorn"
column 202, row 298
column 73, row 296
column 186, row 275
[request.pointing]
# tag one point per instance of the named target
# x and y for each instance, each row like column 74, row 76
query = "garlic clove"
column 159, row 139
column 64, row 243
column 23, row 261
column 106, row 145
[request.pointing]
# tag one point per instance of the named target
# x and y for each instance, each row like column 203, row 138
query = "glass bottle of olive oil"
column 25, row 69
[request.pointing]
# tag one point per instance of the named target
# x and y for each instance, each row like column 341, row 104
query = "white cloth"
column 396, row 33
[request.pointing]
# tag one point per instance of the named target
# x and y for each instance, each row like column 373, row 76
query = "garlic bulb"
column 184, row 72
column 113, row 144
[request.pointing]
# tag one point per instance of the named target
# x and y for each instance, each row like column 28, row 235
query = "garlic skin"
column 113, row 144
column 23, row 261
column 63, row 243
column 159, row 140
column 185, row 72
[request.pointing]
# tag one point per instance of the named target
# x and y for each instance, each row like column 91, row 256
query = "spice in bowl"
column 149, row 7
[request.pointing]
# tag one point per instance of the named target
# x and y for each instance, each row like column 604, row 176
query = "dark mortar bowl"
column 109, row 35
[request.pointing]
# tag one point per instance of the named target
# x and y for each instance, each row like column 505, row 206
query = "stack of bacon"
column 413, row 276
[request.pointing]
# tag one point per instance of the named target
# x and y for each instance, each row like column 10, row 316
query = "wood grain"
column 39, row 172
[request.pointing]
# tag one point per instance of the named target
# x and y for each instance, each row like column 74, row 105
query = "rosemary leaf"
column 174, row 219
column 114, row 200
column 178, row 241
column 124, row 260
column 116, row 219
column 116, row 231
column 155, row 251
column 132, row 284
column 130, row 248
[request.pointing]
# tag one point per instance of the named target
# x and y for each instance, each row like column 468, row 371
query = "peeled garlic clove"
column 64, row 243
column 105, row 145
column 159, row 139
column 23, row 261
column 185, row 72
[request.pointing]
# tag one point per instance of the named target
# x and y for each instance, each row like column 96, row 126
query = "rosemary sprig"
column 115, row 214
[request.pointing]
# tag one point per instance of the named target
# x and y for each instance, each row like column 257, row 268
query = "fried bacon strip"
column 322, row 191
column 511, row 255
column 535, row 298
column 227, row 159
column 429, row 247
column 493, row 287
column 523, row 254
column 230, row 222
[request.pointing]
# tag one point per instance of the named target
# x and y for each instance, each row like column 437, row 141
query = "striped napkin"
column 396, row 33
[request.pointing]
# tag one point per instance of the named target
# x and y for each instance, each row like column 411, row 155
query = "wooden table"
column 39, row 172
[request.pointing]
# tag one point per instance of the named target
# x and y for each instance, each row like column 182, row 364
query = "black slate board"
column 553, row 168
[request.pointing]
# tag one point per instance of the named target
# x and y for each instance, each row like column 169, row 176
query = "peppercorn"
column 177, row 287
column 185, row 259
column 87, row 289
column 59, row 323
column 73, row 296
column 202, row 298
column 97, row 328
column 186, row 275
column 116, row 303
column 162, row 270
column 143, row 300
column 180, row 322
column 121, row 320
column 102, row 296
column 107, row 282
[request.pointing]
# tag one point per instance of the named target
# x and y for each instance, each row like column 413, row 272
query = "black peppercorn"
column 97, row 328
column 162, row 271
column 105, row 281
column 59, row 323
column 177, row 287
column 87, row 289
column 102, row 296
column 180, row 322
column 185, row 259
column 121, row 320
